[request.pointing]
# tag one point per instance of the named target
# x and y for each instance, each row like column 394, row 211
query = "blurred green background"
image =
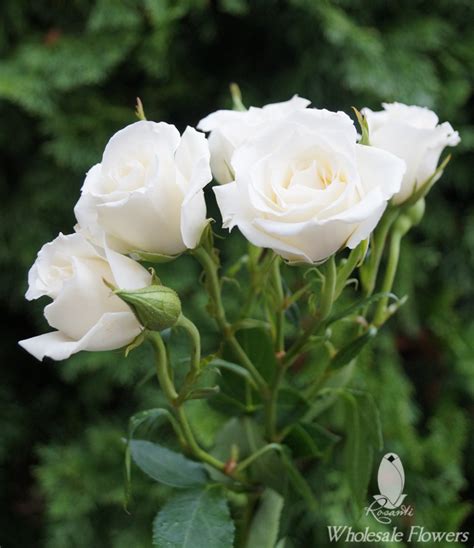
column 69, row 75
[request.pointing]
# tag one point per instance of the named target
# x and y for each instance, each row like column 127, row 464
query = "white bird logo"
column 391, row 480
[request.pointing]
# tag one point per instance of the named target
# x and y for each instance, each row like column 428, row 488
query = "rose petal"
column 112, row 331
column 84, row 299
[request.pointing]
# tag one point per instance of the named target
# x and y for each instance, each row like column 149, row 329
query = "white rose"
column 85, row 312
column 413, row 134
column 147, row 193
column 230, row 129
column 305, row 188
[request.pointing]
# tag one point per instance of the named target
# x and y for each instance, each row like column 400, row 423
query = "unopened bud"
column 156, row 307
column 402, row 225
column 415, row 212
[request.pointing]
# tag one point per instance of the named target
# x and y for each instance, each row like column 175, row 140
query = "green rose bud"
column 402, row 225
column 415, row 212
column 156, row 307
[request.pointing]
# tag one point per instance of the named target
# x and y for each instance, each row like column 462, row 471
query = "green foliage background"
column 69, row 75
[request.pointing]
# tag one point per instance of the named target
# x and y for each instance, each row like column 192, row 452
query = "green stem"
column 280, row 312
column 272, row 404
column 327, row 298
column 161, row 365
column 245, row 361
column 192, row 443
column 401, row 227
column 329, row 288
column 161, row 362
column 348, row 267
column 213, row 286
column 259, row 266
column 259, row 453
column 369, row 271
column 312, row 329
column 195, row 338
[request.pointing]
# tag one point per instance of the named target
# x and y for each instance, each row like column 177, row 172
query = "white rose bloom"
column 85, row 312
column 230, row 129
column 413, row 134
column 305, row 188
column 147, row 193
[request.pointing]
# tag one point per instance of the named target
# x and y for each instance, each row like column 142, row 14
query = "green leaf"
column 198, row 518
column 310, row 440
column 331, row 390
column 298, row 481
column 227, row 405
column 370, row 417
column 203, row 393
column 347, row 353
column 205, row 421
column 233, row 433
column 285, row 542
column 293, row 312
column 364, row 127
column 266, row 523
column 358, row 452
column 137, row 341
column 149, row 417
column 291, row 407
column 245, row 435
column 251, row 323
column 350, row 310
column 258, row 345
column 268, row 469
column 166, row 466
column 233, row 367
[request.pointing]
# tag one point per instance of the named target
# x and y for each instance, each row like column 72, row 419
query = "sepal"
column 156, row 307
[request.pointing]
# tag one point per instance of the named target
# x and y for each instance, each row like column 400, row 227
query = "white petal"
column 409, row 144
column 86, row 215
column 128, row 274
column 92, row 182
column 221, row 157
column 313, row 240
column 193, row 219
column 379, row 168
column 192, row 163
column 220, row 118
column 443, row 136
column 112, row 331
column 229, row 203
column 147, row 221
column 255, row 235
column 141, row 140
column 84, row 299
column 192, row 160
column 53, row 345
column 44, row 277
column 420, row 117
column 285, row 107
column 365, row 228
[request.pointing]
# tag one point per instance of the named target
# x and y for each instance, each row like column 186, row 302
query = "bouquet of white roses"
column 323, row 209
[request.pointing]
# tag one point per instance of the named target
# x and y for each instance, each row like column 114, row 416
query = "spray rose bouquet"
column 323, row 210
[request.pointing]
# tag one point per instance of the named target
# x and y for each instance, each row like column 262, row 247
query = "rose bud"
column 156, row 307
